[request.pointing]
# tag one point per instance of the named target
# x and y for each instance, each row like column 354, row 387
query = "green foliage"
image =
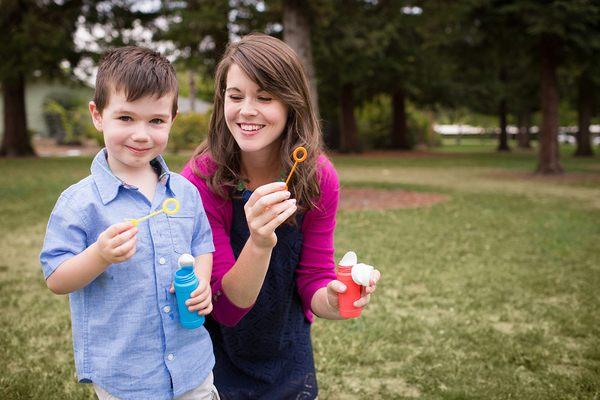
column 188, row 131
column 374, row 120
column 68, row 120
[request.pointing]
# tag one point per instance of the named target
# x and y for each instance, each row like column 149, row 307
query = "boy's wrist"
column 94, row 249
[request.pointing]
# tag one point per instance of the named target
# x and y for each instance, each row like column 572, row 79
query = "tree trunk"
column 16, row 141
column 503, row 143
column 296, row 33
column 348, row 124
column 548, row 157
column 192, row 91
column 399, row 132
column 585, row 107
column 523, row 137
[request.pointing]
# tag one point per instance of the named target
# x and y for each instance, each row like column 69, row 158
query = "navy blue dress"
column 268, row 354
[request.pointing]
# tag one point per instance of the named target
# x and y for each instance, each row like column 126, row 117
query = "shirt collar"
column 108, row 184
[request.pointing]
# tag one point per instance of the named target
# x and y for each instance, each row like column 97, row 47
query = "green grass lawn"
column 490, row 295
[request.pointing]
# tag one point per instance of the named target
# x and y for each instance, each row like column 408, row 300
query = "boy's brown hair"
column 136, row 71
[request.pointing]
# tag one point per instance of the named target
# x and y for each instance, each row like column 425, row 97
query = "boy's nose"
column 140, row 135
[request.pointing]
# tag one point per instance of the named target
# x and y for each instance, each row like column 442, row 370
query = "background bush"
column 188, row 131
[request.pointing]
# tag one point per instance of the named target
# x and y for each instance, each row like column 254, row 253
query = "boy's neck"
column 144, row 178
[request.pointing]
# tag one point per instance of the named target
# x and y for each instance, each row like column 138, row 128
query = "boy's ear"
column 96, row 116
column 175, row 116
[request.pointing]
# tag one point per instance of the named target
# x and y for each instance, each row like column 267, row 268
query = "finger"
column 128, row 255
column 172, row 289
column 195, row 299
column 201, row 305
column 207, row 310
column 271, row 213
column 336, row 286
column 202, row 286
column 363, row 301
column 125, row 247
column 122, row 237
column 267, row 202
column 116, row 229
column 278, row 220
column 375, row 276
column 265, row 190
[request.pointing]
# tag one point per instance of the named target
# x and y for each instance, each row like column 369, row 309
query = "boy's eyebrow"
column 125, row 111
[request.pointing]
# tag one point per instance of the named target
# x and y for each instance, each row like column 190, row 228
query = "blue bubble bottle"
column 185, row 282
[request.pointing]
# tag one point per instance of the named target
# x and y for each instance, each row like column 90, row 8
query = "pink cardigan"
column 316, row 267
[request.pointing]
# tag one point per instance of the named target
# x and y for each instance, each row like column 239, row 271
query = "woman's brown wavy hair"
column 275, row 68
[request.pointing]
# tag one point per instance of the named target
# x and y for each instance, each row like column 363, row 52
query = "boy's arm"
column 203, row 267
column 115, row 244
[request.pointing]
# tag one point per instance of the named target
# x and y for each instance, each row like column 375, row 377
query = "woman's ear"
column 96, row 116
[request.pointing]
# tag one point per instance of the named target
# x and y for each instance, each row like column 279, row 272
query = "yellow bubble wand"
column 169, row 206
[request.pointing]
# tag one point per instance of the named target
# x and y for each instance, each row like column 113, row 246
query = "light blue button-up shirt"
column 126, row 332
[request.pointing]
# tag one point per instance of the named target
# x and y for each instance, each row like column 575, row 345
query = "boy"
column 126, row 335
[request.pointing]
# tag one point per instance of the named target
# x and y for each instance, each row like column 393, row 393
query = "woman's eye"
column 235, row 98
column 125, row 118
column 157, row 121
column 265, row 99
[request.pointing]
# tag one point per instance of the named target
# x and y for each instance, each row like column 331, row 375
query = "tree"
column 199, row 31
column 296, row 33
column 41, row 42
column 40, row 37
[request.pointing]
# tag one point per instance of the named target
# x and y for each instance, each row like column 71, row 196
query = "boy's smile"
column 135, row 132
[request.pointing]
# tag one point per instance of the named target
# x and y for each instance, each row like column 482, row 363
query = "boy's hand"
column 200, row 299
column 118, row 242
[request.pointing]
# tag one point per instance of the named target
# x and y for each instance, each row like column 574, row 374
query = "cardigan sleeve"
column 317, row 265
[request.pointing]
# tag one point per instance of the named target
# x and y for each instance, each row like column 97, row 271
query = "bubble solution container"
column 185, row 282
column 346, row 300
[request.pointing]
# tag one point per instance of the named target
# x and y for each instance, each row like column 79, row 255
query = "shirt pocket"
column 181, row 227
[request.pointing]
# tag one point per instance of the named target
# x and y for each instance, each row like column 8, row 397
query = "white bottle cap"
column 349, row 259
column 361, row 274
column 186, row 260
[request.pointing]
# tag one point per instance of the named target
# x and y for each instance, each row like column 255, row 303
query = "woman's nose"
column 248, row 108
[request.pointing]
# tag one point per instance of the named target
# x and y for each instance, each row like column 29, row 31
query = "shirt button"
column 167, row 309
column 162, row 261
column 170, row 357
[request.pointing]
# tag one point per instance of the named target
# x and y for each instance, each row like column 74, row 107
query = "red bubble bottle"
column 354, row 276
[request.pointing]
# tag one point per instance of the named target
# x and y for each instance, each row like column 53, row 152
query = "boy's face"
column 135, row 132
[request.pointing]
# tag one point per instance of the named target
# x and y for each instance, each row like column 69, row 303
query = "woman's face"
column 254, row 117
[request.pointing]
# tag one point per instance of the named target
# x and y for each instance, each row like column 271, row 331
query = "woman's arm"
column 267, row 208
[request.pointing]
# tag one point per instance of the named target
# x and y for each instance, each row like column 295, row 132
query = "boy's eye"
column 125, row 118
column 235, row 97
column 157, row 121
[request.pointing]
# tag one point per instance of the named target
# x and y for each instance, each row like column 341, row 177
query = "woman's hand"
column 331, row 309
column 267, row 208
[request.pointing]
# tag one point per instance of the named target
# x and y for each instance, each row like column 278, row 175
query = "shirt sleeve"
column 202, row 241
column 219, row 214
column 65, row 236
column 317, row 266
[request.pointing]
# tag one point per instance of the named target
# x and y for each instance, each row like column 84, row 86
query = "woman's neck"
column 260, row 168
